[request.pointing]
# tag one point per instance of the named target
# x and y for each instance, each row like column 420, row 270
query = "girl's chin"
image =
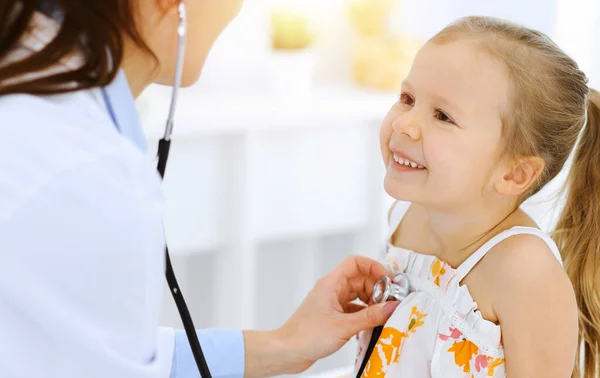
column 400, row 191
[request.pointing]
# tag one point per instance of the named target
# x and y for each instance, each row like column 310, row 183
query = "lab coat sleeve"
column 223, row 350
column 81, row 281
column 166, row 347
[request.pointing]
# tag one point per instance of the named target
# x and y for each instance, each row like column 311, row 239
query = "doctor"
column 81, row 208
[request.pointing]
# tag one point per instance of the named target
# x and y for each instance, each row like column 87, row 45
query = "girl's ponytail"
column 578, row 237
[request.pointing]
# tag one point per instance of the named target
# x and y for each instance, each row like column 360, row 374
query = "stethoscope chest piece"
column 385, row 289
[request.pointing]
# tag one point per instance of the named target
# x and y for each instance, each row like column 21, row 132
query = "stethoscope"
column 164, row 146
column 385, row 289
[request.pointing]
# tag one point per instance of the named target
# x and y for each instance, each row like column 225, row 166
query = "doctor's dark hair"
column 95, row 28
column 553, row 114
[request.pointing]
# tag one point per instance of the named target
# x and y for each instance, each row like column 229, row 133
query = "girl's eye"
column 406, row 99
column 441, row 116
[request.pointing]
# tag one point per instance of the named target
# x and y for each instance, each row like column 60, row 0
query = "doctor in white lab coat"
column 81, row 208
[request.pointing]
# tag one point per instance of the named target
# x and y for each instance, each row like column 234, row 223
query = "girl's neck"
column 454, row 234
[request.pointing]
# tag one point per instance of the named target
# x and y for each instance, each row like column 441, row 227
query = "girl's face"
column 441, row 140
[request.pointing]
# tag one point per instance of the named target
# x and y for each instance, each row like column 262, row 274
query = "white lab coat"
column 81, row 244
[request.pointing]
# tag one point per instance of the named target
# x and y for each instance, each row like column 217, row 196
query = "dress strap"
column 466, row 267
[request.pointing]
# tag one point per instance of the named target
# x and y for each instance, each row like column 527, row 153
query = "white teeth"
column 406, row 162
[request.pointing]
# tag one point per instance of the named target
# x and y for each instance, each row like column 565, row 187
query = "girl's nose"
column 408, row 124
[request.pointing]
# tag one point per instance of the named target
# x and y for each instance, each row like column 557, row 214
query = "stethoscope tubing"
column 164, row 146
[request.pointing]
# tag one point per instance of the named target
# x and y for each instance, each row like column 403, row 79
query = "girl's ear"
column 520, row 176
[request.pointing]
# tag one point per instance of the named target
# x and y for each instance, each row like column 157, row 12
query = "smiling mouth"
column 407, row 163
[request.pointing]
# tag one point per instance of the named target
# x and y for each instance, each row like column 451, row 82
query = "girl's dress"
column 437, row 330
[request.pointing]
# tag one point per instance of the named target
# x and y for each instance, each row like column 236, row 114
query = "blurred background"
column 275, row 174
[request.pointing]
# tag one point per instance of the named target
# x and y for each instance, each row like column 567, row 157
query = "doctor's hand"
column 323, row 323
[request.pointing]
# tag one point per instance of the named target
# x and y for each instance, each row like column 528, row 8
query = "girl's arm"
column 535, row 304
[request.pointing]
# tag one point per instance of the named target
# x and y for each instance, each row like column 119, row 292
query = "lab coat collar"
column 121, row 105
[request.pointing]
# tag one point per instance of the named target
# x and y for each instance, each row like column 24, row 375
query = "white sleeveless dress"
column 437, row 330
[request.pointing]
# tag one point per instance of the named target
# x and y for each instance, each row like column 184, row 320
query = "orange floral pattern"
column 466, row 354
column 415, row 319
column 387, row 349
column 493, row 365
column 463, row 353
column 386, row 353
column 438, row 269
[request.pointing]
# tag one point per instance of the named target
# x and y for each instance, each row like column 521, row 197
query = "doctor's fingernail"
column 389, row 307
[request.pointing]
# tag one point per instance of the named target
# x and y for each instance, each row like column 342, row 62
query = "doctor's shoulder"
column 45, row 138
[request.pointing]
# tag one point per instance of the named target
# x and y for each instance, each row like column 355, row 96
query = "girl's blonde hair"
column 552, row 107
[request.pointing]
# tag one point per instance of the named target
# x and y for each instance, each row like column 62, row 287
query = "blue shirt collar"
column 121, row 107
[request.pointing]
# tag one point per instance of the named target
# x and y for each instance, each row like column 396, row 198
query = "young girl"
column 488, row 115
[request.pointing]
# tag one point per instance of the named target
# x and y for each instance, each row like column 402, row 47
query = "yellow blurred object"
column 290, row 30
column 369, row 17
column 382, row 62
column 381, row 59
